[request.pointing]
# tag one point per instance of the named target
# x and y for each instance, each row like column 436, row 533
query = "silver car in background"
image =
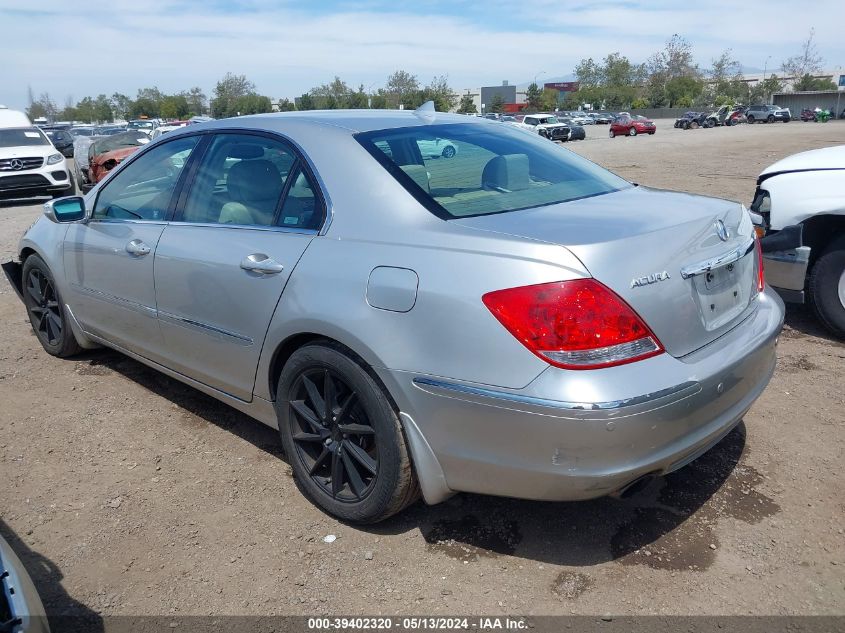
column 515, row 320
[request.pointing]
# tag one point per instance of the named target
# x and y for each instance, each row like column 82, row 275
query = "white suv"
column 30, row 165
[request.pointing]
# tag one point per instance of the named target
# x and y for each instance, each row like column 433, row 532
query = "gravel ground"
column 128, row 493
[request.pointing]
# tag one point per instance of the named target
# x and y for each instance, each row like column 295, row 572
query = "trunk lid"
column 653, row 249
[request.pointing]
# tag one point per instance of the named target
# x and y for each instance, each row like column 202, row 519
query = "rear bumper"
column 546, row 442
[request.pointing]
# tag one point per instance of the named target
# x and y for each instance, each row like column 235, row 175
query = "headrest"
column 419, row 175
column 245, row 151
column 254, row 180
column 508, row 172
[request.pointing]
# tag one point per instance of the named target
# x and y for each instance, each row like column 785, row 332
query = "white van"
column 29, row 164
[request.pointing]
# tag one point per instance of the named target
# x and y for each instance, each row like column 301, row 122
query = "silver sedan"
column 512, row 321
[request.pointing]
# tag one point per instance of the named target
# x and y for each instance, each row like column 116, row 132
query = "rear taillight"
column 761, row 277
column 579, row 324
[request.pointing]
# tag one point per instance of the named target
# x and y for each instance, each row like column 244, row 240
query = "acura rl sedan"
column 512, row 321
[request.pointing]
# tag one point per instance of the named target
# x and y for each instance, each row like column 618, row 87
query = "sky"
column 286, row 47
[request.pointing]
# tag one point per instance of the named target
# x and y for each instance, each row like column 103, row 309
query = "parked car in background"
column 107, row 153
column 30, row 165
column 164, row 129
column 21, row 610
column 576, row 132
column 767, row 114
column 690, row 120
column 437, row 147
column 144, row 125
column 737, row 115
column 631, row 125
column 109, row 130
column 546, row 125
column 541, row 302
column 801, row 204
column 601, row 118
column 82, row 130
column 62, row 140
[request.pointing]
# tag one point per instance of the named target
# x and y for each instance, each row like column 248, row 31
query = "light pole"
column 542, row 72
column 370, row 95
column 765, row 67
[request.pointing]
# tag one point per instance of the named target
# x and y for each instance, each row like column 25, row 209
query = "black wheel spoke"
column 319, row 461
column 34, row 291
column 306, row 414
column 316, row 399
column 355, row 482
column 356, row 429
column 346, row 406
column 307, row 437
column 329, row 396
column 55, row 321
column 361, row 456
column 337, row 472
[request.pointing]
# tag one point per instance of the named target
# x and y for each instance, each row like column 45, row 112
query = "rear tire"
column 448, row 152
column 611, row 133
column 770, row 118
column 827, row 288
column 45, row 309
column 632, row 131
column 350, row 458
column 750, row 119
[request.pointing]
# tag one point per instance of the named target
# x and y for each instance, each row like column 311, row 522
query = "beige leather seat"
column 254, row 187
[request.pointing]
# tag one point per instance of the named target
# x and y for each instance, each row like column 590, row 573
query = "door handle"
column 261, row 263
column 138, row 248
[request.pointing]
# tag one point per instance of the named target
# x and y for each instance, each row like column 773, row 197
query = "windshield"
column 490, row 170
column 139, row 124
column 22, row 137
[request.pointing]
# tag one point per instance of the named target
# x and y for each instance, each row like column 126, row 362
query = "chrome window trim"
column 682, row 390
column 250, row 227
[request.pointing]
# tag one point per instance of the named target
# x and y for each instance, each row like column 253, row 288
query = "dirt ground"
column 125, row 492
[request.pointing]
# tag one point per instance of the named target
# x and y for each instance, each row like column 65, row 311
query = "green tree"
column 306, row 102
column 467, row 105
column 532, row 97
column 120, row 105
column 439, row 91
column 86, row 110
column 549, row 100
column 379, row 100
column 764, row 89
column 286, row 105
column 806, row 62
column 682, row 88
column 145, row 107
column 808, row 82
column 44, row 106
column 332, row 96
column 497, row 104
column 174, row 107
column 102, row 109
column 229, row 89
column 400, row 88
column 359, row 99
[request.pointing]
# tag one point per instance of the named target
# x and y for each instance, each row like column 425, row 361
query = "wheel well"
column 291, row 344
column 26, row 252
column 820, row 231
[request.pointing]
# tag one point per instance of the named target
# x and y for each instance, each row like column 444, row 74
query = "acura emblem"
column 16, row 164
column 722, row 231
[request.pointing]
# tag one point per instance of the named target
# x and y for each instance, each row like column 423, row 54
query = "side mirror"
column 64, row 210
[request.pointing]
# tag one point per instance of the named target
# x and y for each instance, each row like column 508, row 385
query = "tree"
column 286, row 105
column 379, row 100
column 809, row 83
column 532, row 97
column 467, row 105
column 332, row 96
column 144, row 107
column 498, row 103
column 305, row 102
column 174, row 107
column 682, row 89
column 120, row 105
column 86, row 110
column 760, row 93
column 102, row 109
column 41, row 107
column 440, row 92
column 197, row 101
column 400, row 86
column 549, row 100
column 230, row 88
column 807, row 62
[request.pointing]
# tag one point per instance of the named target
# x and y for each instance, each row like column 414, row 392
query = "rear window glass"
column 461, row 170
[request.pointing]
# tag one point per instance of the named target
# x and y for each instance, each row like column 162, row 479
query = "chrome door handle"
column 137, row 247
column 261, row 263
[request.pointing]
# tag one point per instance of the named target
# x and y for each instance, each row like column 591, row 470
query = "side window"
column 143, row 190
column 240, row 180
column 301, row 208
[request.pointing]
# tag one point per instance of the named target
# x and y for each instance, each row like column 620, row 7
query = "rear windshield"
column 470, row 169
column 22, row 137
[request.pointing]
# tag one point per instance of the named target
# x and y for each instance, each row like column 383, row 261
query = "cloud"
column 286, row 49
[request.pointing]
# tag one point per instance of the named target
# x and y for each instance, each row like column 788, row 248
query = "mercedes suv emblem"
column 16, row 164
column 722, row 231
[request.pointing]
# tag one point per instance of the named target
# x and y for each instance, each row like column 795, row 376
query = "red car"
column 630, row 125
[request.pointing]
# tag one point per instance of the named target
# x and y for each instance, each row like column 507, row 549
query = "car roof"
column 344, row 121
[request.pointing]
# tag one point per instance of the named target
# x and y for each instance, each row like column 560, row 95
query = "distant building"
column 562, row 88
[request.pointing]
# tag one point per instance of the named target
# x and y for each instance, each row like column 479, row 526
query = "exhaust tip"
column 634, row 487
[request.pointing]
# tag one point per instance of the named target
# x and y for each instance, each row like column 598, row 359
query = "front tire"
column 350, row 457
column 448, row 152
column 750, row 119
column 611, row 133
column 770, row 118
column 46, row 310
column 827, row 288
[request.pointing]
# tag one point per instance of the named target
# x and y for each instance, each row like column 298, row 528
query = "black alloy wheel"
column 333, row 435
column 45, row 310
column 342, row 435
